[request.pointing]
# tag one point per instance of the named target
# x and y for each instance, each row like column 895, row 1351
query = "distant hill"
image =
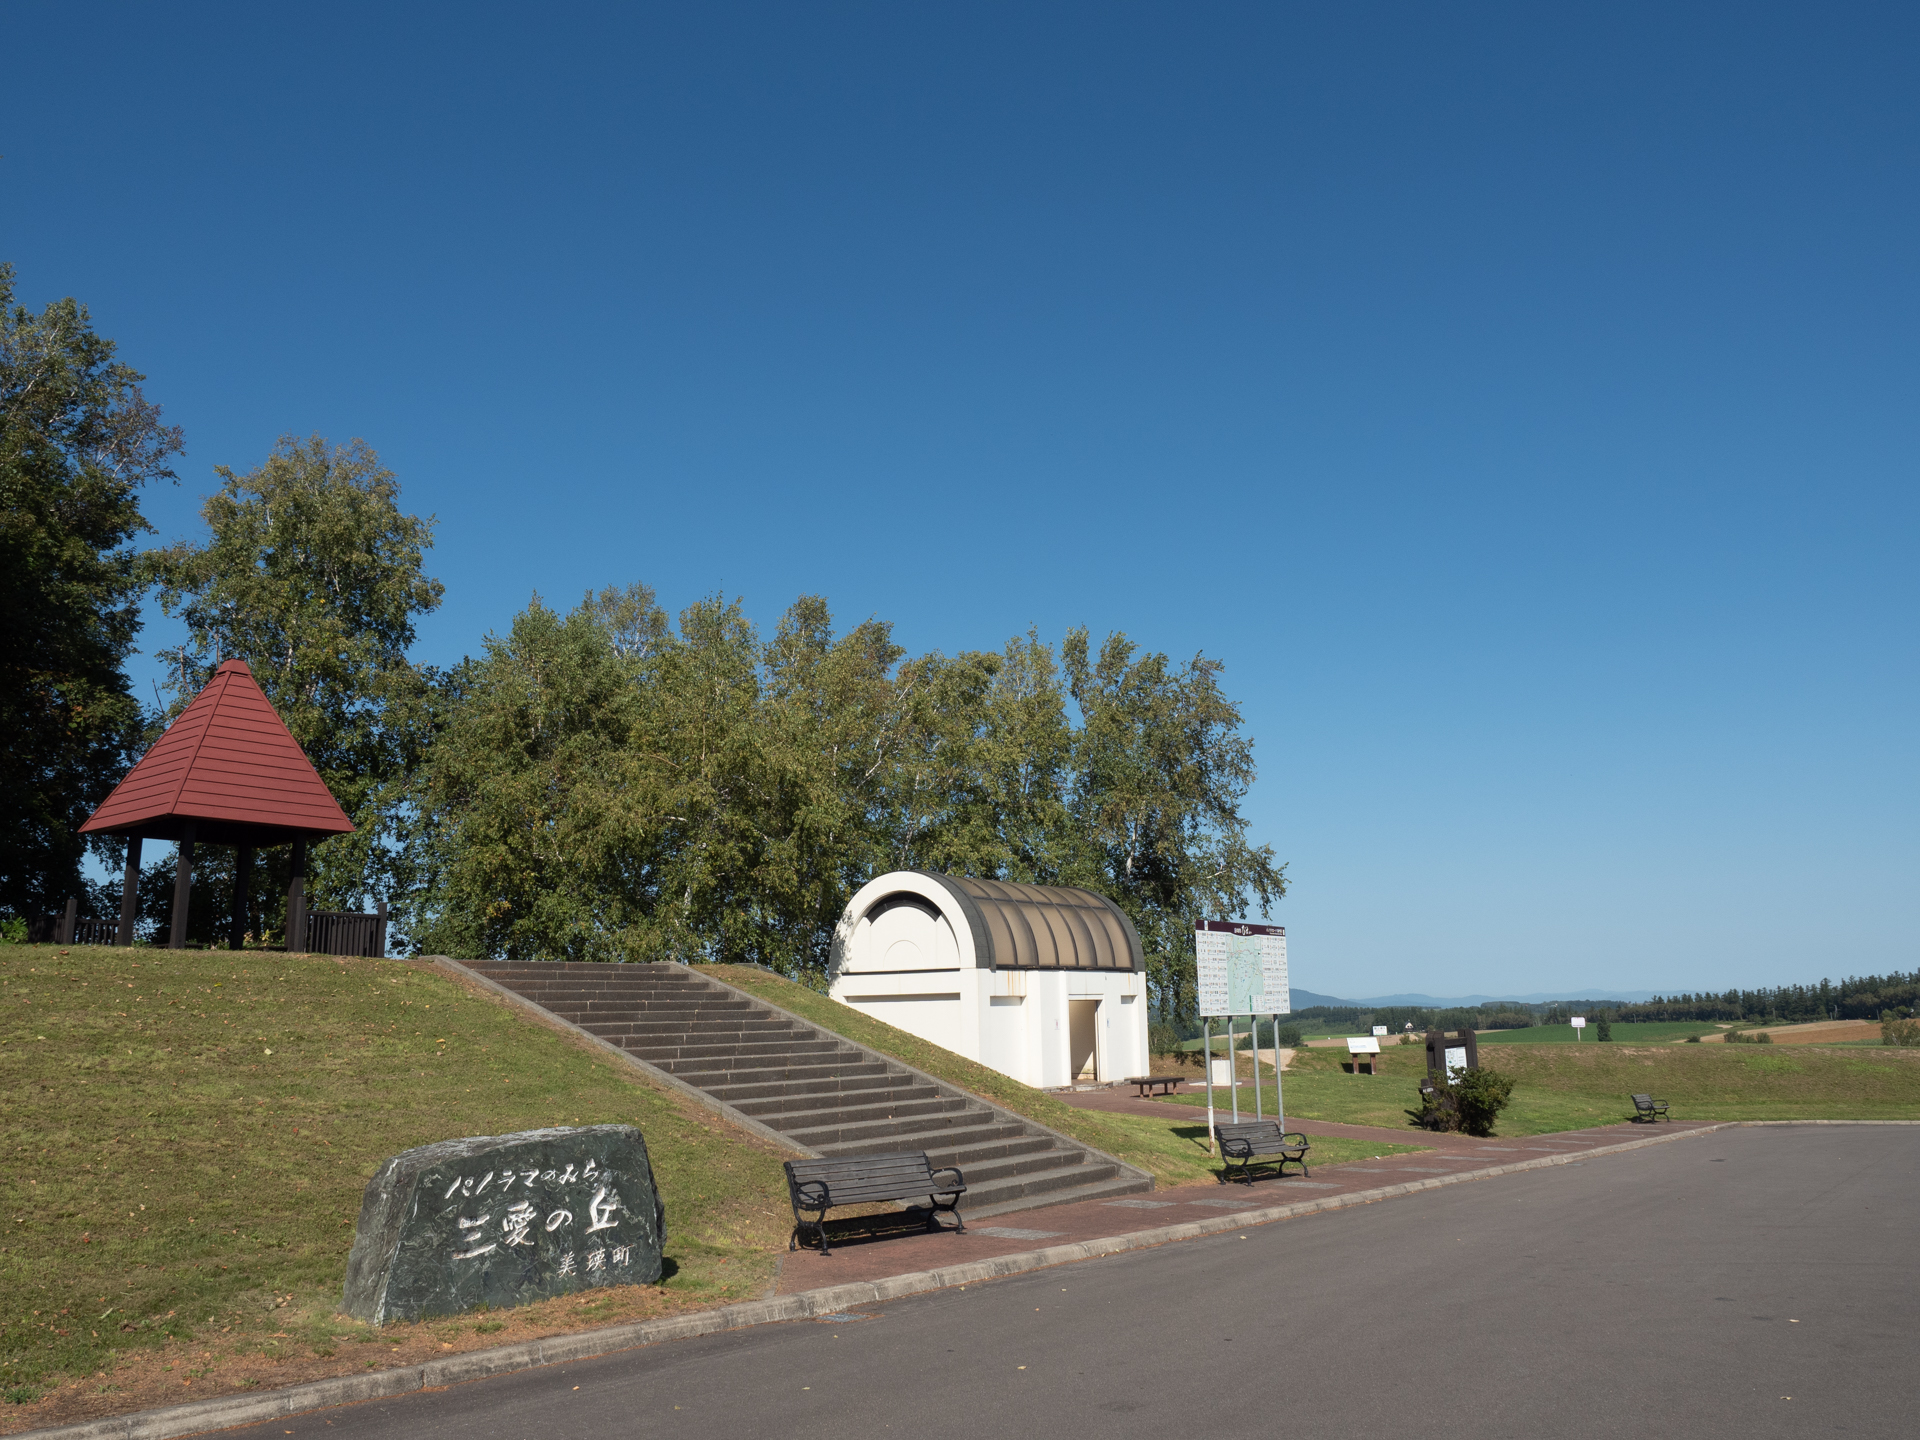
column 1307, row 999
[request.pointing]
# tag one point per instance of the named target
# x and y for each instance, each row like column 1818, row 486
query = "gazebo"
column 227, row 772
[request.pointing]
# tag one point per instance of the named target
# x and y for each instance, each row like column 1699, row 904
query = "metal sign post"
column 1242, row 970
column 1206, row 1064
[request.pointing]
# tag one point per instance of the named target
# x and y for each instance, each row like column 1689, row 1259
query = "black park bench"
column 1260, row 1142
column 820, row 1185
column 1645, row 1107
column 1163, row 1083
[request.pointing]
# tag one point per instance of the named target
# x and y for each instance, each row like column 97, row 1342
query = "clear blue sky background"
column 1520, row 399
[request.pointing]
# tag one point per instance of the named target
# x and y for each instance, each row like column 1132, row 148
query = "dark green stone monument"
column 502, row 1220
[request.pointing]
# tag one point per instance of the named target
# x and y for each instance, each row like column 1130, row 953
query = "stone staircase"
column 818, row 1092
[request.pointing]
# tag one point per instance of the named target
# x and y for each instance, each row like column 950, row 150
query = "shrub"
column 1287, row 1036
column 1603, row 1029
column 1693, row 1039
column 1749, row 1037
column 1895, row 1031
column 1472, row 1102
column 1481, row 1094
column 13, row 931
column 1162, row 1038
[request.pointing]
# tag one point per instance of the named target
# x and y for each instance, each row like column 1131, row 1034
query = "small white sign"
column 1222, row 1070
column 1379, row 1029
column 1579, row 1022
column 1456, row 1060
column 1362, row 1045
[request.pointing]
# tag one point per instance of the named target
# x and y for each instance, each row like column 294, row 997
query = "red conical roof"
column 230, row 766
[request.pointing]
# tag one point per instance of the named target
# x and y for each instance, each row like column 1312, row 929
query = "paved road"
column 1689, row 1288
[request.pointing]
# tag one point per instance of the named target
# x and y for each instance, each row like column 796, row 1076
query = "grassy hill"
column 1569, row 1087
column 186, row 1135
column 1173, row 1151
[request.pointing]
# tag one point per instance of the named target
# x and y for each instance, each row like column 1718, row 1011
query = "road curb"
column 229, row 1411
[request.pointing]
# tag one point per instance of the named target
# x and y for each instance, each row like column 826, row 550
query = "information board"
column 1243, row 968
column 1362, row 1045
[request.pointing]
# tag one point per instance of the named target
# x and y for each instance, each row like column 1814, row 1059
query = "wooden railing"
column 345, row 932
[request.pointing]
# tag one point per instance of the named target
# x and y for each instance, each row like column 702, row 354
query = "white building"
column 1039, row 982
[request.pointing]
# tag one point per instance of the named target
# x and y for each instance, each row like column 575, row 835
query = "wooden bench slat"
column 1247, row 1140
column 821, row 1184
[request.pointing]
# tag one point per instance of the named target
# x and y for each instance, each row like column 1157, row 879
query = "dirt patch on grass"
column 1826, row 1033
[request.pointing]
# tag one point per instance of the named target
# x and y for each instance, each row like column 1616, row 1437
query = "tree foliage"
column 613, row 785
column 78, row 440
column 312, row 574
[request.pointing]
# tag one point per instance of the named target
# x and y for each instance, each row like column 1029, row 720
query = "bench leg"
column 798, row 1239
column 952, row 1207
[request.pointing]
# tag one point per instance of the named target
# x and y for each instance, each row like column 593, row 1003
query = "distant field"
column 1568, row 1087
column 1624, row 1033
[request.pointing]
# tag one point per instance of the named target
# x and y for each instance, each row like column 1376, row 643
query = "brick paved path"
column 872, row 1248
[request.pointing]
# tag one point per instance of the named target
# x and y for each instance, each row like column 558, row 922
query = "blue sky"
column 1520, row 400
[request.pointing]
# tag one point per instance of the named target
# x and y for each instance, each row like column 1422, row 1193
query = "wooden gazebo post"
column 227, row 772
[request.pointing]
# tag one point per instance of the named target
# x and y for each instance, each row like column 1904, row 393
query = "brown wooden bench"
column 820, row 1185
column 1260, row 1142
column 1645, row 1107
column 1165, row 1083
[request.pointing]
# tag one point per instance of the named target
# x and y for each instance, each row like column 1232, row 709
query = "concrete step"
column 709, row 1076
column 690, row 1007
column 658, row 1052
column 1033, row 1184
column 810, row 1086
column 982, row 1129
column 721, row 1025
column 845, row 1116
column 815, row 1090
column 805, row 1108
column 845, row 1131
column 1112, row 1187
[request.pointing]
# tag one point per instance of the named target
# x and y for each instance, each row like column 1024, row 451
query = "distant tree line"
column 602, row 783
column 1859, row 997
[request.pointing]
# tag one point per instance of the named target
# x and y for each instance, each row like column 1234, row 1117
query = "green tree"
column 609, row 785
column 1160, row 769
column 539, row 838
column 78, row 439
column 980, row 783
column 313, row 575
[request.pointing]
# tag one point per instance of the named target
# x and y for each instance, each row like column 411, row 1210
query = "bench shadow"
column 857, row 1230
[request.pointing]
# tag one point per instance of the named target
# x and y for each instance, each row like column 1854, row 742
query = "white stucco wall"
column 912, row 965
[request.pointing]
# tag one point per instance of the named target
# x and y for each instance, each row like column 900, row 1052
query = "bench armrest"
column 813, row 1194
column 1295, row 1137
column 1236, row 1148
column 959, row 1181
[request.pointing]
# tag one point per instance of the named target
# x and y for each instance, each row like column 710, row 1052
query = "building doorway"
column 1083, row 1029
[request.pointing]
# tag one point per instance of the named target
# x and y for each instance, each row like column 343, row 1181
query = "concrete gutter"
column 227, row 1411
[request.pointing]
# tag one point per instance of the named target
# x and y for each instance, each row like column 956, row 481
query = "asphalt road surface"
column 1747, row 1283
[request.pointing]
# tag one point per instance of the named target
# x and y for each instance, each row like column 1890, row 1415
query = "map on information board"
column 1243, row 968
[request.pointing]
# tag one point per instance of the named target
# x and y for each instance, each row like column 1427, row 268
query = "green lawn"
column 185, row 1137
column 1570, row 1088
column 1625, row 1032
column 1173, row 1151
